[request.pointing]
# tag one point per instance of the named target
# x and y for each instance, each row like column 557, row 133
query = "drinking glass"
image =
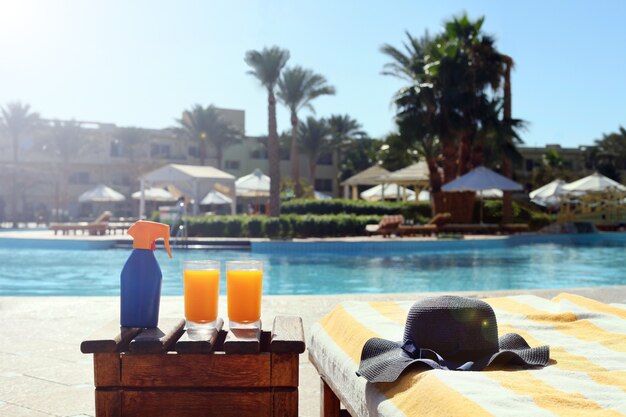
column 244, row 282
column 201, row 280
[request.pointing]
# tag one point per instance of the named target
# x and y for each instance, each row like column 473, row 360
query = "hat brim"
column 384, row 361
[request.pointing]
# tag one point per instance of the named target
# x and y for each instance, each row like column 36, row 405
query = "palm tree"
column 424, row 123
column 297, row 87
column 66, row 144
column 17, row 119
column 266, row 67
column 131, row 138
column 343, row 130
column 205, row 125
column 315, row 140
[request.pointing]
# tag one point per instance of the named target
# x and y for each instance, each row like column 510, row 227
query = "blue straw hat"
column 447, row 332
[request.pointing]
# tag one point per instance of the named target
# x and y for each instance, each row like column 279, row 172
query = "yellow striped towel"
column 586, row 377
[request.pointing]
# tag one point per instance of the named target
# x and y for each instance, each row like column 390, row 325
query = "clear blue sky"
column 142, row 62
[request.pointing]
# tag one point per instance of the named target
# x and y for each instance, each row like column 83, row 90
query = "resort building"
column 62, row 159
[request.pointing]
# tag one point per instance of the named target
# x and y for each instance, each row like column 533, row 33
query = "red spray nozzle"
column 145, row 233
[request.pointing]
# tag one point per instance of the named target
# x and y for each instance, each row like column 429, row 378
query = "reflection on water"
column 44, row 272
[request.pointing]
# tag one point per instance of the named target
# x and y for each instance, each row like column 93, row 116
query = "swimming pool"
column 543, row 265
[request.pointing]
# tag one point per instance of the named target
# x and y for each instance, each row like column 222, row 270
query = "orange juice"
column 244, row 295
column 201, row 295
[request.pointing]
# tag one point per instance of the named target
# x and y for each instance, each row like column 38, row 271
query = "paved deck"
column 43, row 373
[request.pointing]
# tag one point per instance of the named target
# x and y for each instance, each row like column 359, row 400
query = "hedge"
column 330, row 218
column 409, row 210
column 286, row 226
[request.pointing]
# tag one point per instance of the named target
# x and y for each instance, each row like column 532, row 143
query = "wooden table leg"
column 329, row 404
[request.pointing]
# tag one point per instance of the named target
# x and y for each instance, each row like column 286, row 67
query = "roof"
column 368, row 177
column 413, row 174
column 178, row 172
column 202, row 171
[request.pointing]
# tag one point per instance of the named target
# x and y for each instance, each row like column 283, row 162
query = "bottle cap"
column 145, row 234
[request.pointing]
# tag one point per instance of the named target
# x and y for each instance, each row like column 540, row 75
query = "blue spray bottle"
column 141, row 276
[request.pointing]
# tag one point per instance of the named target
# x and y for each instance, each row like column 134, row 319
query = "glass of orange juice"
column 201, row 280
column 244, row 282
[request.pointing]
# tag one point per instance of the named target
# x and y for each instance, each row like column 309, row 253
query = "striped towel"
column 587, row 376
column 391, row 219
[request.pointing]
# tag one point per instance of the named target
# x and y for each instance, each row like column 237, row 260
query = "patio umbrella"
column 378, row 192
column 423, row 195
column 321, row 196
column 255, row 184
column 548, row 195
column 217, row 198
column 595, row 182
column 101, row 193
column 481, row 179
column 154, row 194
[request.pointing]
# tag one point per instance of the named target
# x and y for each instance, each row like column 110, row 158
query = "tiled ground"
column 43, row 373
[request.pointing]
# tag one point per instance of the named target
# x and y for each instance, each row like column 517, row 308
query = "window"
column 259, row 154
column 324, row 184
column 325, row 159
column 80, row 177
column 159, row 151
column 116, row 149
column 530, row 164
column 118, row 178
column 193, row 151
column 231, row 165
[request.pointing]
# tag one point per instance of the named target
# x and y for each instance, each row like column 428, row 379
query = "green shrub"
column 272, row 227
column 210, row 226
column 339, row 206
column 234, row 226
column 288, row 226
column 255, row 226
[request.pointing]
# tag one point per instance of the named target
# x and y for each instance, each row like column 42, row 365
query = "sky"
column 142, row 62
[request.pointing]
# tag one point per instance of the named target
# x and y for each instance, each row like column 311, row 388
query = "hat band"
column 421, row 353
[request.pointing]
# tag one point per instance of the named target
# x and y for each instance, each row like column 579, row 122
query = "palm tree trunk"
column 507, row 168
column 312, row 171
column 273, row 155
column 464, row 153
column 449, row 160
column 14, row 182
column 295, row 156
column 435, row 185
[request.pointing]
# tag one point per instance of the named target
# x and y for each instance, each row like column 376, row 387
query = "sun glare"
column 19, row 20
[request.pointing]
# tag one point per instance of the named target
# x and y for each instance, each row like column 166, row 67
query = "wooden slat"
column 329, row 403
column 106, row 369
column 196, row 370
column 285, row 403
column 158, row 339
column 285, row 369
column 243, row 341
column 199, row 342
column 110, row 338
column 196, row 404
column 108, row 403
column 287, row 335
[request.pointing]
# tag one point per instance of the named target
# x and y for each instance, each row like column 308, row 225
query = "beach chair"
column 429, row 228
column 388, row 225
column 98, row 227
column 587, row 339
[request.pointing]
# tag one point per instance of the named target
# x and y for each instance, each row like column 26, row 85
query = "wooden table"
column 167, row 372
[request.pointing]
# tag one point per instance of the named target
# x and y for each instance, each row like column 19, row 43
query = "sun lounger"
column 585, row 376
column 510, row 228
column 433, row 226
column 387, row 226
column 471, row 228
column 97, row 227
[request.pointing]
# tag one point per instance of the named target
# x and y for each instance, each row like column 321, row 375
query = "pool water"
column 96, row 272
